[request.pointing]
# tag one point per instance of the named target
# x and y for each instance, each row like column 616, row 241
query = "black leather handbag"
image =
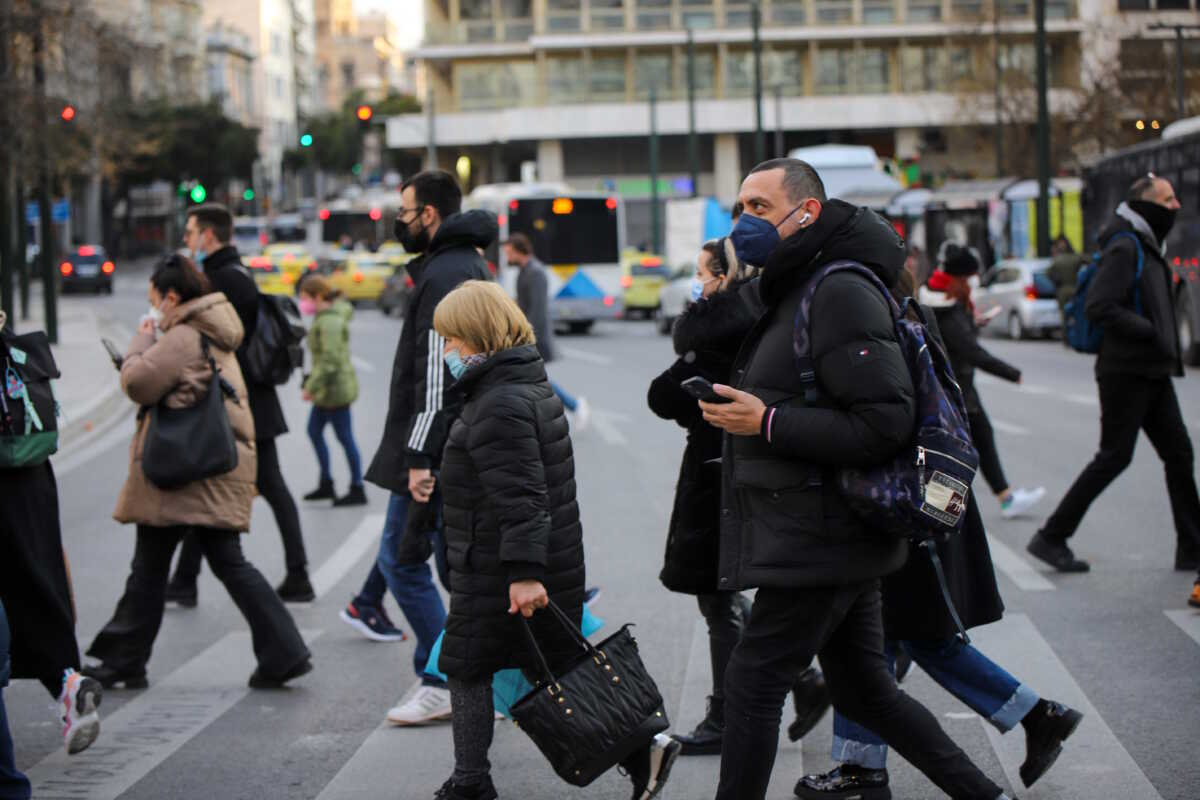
column 597, row 711
column 190, row 444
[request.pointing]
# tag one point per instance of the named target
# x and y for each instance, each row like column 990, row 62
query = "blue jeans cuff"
column 1014, row 710
column 869, row 756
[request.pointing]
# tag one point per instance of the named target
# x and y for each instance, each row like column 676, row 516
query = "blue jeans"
column 13, row 784
column 569, row 402
column 412, row 584
column 985, row 687
column 318, row 418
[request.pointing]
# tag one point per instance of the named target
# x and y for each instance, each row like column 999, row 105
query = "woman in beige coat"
column 166, row 363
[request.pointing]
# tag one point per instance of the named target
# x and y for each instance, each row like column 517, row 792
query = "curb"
column 99, row 413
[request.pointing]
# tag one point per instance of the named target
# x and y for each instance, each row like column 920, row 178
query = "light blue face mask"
column 455, row 363
column 698, row 288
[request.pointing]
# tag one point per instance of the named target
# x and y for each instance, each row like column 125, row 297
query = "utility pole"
column 998, row 133
column 693, row 146
column 21, row 245
column 1180, row 95
column 760, row 139
column 779, row 121
column 431, row 144
column 47, row 251
column 655, row 232
column 7, row 252
column 1043, row 133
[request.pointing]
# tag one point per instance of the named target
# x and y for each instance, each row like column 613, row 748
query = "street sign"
column 60, row 212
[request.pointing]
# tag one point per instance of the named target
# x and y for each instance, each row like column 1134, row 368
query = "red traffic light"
column 375, row 214
column 68, row 113
column 364, row 113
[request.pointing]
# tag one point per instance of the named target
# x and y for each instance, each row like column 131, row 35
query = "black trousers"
column 275, row 491
column 126, row 641
column 1129, row 404
column 985, row 443
column 726, row 614
column 843, row 626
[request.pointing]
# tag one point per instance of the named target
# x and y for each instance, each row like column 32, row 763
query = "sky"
column 401, row 11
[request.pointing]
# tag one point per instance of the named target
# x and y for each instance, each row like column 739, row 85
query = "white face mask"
column 156, row 314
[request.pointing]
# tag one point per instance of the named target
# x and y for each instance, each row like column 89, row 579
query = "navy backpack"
column 1081, row 333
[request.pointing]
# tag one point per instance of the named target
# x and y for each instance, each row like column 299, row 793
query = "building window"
column 960, row 64
column 653, row 14
column 606, row 77
column 563, row 15
column 834, row 12
column 1015, row 8
column 484, row 86
column 972, row 10
column 786, row 68
column 789, row 12
column 652, row 70
column 565, row 79
column 1174, row 5
column 739, row 73
column 475, row 9
column 737, row 15
column 704, row 68
column 607, row 15
column 1060, row 9
column 698, row 14
column 835, row 68
column 516, row 9
column 878, row 12
column 276, row 44
column 347, row 75
column 922, row 69
column 1133, row 5
column 924, row 10
column 875, row 73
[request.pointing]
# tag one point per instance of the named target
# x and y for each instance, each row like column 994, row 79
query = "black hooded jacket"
column 508, row 491
column 707, row 337
column 783, row 521
column 423, row 403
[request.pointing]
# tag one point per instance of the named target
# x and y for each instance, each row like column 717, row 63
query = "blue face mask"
column 455, row 363
column 697, row 288
column 754, row 238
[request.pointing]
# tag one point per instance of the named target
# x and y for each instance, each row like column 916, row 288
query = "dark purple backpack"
column 922, row 492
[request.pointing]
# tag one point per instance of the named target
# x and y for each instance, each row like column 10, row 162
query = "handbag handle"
column 572, row 629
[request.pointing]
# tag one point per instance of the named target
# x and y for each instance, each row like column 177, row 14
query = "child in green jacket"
column 331, row 386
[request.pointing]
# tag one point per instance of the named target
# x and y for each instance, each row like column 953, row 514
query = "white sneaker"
column 1020, row 501
column 77, row 704
column 427, row 704
column 663, row 752
column 583, row 413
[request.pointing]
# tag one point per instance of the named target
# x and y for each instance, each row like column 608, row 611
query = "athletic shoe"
column 357, row 496
column 1021, row 501
column 1056, row 554
column 1194, row 600
column 427, row 704
column 260, row 681
column 77, row 704
column 590, row 594
column 583, row 413
column 845, row 782
column 371, row 622
column 1047, row 726
column 482, row 791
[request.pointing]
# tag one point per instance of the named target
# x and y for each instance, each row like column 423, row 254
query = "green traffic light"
column 306, row 140
column 198, row 194
column 356, row 169
column 248, row 195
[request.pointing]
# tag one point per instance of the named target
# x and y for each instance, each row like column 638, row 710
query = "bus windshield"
column 357, row 226
column 568, row 230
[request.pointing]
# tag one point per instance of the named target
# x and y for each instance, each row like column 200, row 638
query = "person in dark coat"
column 1139, row 356
column 919, row 626
column 513, row 536
column 208, row 234
column 949, row 294
column 785, row 527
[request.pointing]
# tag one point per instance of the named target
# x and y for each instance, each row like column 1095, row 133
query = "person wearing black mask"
column 785, row 528
column 1138, row 356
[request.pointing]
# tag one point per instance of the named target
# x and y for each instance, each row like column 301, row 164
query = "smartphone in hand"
column 702, row 389
column 113, row 353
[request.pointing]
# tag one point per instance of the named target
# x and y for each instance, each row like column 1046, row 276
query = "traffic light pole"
column 46, row 251
column 1043, row 134
column 655, row 232
column 760, row 138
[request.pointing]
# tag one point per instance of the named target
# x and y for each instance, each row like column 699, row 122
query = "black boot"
column 324, row 491
column 258, row 680
column 1056, row 554
column 296, row 588
column 182, row 592
column 108, row 677
column 1047, row 726
column 480, row 791
column 1187, row 556
column 357, row 496
column 810, row 696
column 705, row 739
column 846, row 781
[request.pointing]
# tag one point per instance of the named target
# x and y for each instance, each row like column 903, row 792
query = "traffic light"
column 248, row 195
column 68, row 113
column 198, row 193
column 364, row 114
column 306, row 140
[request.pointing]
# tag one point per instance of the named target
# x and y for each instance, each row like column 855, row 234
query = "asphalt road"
column 1118, row 642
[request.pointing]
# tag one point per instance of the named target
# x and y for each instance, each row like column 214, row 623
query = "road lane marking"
column 147, row 730
column 1187, row 620
column 1008, row 427
column 1018, row 570
column 1093, row 756
column 95, row 444
column 1082, row 399
column 604, row 424
column 585, row 356
column 349, row 553
column 362, row 364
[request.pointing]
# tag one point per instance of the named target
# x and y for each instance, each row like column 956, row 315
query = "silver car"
column 1019, row 299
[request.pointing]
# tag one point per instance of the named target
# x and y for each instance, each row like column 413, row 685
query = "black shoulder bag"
column 596, row 712
column 190, row 444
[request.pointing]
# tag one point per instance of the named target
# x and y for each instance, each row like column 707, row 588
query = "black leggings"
column 985, row 443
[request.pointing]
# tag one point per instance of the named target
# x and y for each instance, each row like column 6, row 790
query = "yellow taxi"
column 395, row 254
column 270, row 278
column 643, row 275
column 362, row 276
column 290, row 258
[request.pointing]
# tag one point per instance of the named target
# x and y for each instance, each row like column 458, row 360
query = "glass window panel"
column 606, row 77
column 652, row 69
column 924, row 10
column 480, row 31
column 705, row 67
column 834, row 71
column 608, row 20
column 922, row 70
column 739, row 73
column 967, row 9
column 834, row 12
column 786, row 68
column 516, row 9
column 1014, row 8
column 789, row 12
column 1133, row 5
column 492, row 85
column 960, row 63
column 737, row 15
column 563, row 5
column 475, row 9
column 653, row 20
column 874, row 71
column 699, row 20
column 563, row 22
column 517, row 31
column 653, row 4
column 1060, row 9
column 879, row 12
column 565, row 79
column 1174, row 5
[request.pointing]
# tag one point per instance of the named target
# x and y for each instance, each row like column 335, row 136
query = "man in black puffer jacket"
column 784, row 526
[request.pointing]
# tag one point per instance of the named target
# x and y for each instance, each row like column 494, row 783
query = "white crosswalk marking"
column 1008, row 427
column 357, row 544
column 147, row 730
column 1016, row 568
column 1187, row 620
column 585, row 356
column 362, row 364
column 1093, row 756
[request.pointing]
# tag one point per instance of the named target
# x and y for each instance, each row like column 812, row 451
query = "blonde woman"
column 513, row 536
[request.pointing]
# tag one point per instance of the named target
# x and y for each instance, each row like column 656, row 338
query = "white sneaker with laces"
column 583, row 413
column 77, row 704
column 1021, row 501
column 427, row 704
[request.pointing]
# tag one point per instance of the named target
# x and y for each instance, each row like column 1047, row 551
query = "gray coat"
column 533, row 296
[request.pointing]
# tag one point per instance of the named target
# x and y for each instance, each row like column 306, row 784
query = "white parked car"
column 1019, row 297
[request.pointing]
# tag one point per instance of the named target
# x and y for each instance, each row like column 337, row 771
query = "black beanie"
column 959, row 260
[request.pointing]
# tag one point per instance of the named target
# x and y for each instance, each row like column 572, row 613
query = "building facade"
column 358, row 54
column 230, row 69
column 566, row 83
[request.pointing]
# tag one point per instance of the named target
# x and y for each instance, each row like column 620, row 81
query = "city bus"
column 1175, row 157
column 578, row 235
column 363, row 222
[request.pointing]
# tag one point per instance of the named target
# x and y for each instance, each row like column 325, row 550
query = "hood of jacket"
column 516, row 365
column 212, row 315
column 340, row 308
column 475, row 228
column 842, row 232
column 934, row 299
column 1135, row 222
column 718, row 323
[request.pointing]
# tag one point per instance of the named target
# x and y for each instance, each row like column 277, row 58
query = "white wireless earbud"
column 805, row 218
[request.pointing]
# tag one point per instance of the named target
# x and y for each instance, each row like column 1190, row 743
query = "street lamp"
column 760, row 139
column 1180, row 100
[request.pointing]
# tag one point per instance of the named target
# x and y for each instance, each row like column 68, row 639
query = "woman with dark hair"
column 189, row 332
column 949, row 294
